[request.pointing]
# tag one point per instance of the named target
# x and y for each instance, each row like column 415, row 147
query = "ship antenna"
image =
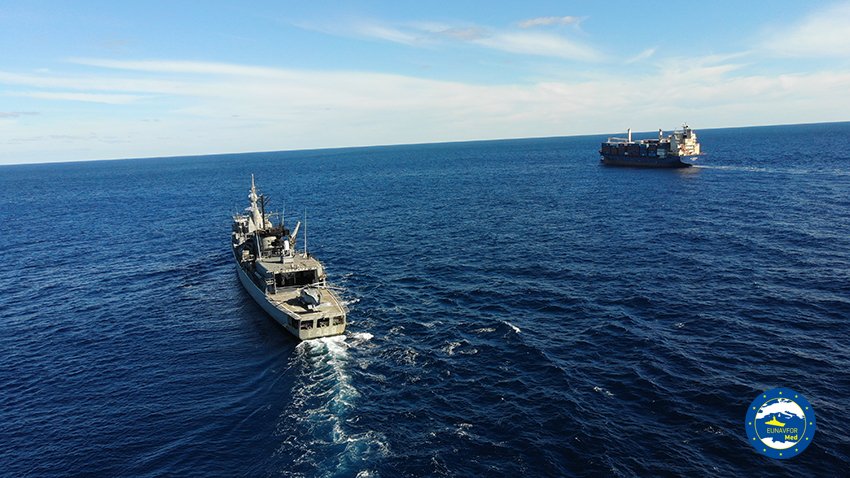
column 263, row 210
column 305, row 233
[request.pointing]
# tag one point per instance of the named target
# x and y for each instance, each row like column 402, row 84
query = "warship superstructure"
column 289, row 285
column 664, row 152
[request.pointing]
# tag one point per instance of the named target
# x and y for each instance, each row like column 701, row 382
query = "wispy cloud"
column 388, row 33
column 540, row 44
column 110, row 99
column 823, row 33
column 444, row 31
column 644, row 55
column 509, row 40
column 197, row 67
column 47, row 80
column 16, row 114
column 547, row 21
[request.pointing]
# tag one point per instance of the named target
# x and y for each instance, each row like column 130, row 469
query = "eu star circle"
column 780, row 423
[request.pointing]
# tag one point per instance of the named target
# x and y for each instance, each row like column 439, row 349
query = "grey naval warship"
column 664, row 152
column 289, row 285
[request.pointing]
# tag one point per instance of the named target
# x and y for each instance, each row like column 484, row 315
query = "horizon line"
column 391, row 145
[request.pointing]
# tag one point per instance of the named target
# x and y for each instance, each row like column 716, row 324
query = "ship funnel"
column 630, row 135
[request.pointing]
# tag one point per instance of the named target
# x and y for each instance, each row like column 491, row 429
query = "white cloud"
column 823, row 33
column 388, row 33
column 218, row 107
column 540, row 44
column 546, row 21
column 441, row 31
column 644, row 55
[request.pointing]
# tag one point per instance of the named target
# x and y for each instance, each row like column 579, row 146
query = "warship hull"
column 289, row 320
column 289, row 285
column 260, row 298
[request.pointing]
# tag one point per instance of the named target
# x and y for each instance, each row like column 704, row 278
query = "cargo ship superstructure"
column 664, row 152
column 291, row 286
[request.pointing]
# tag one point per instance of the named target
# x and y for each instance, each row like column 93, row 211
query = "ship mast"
column 256, row 217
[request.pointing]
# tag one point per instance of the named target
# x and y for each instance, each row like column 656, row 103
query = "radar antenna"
column 264, row 200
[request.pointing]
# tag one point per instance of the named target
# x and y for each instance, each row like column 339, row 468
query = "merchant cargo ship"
column 665, row 152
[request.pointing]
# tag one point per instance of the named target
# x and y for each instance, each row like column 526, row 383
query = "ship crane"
column 294, row 235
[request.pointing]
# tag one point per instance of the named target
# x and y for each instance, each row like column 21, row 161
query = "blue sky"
column 95, row 80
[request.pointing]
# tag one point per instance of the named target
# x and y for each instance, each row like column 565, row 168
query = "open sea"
column 516, row 309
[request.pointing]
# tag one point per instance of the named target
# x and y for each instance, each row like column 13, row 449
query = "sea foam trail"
column 323, row 399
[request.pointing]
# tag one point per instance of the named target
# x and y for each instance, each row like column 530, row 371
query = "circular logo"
column 780, row 423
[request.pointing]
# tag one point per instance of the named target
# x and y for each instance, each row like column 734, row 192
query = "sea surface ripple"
column 515, row 309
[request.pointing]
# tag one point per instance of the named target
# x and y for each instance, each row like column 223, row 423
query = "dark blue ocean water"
column 516, row 309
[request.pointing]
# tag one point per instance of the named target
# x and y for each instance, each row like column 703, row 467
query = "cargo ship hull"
column 645, row 161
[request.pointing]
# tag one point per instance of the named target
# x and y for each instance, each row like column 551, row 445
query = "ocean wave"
column 559, row 325
column 484, row 330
